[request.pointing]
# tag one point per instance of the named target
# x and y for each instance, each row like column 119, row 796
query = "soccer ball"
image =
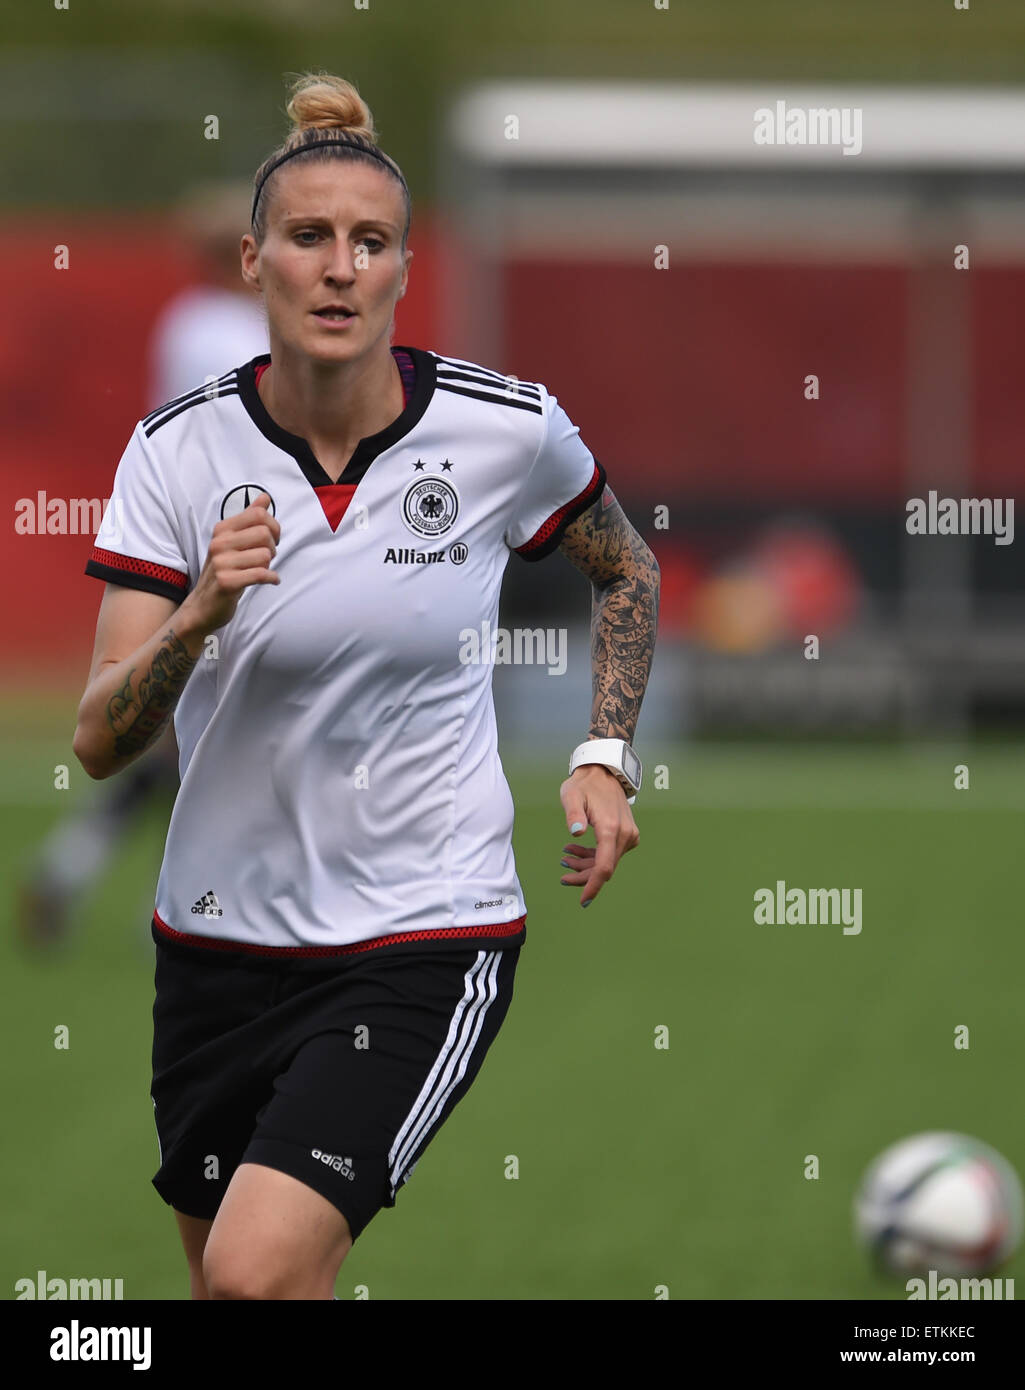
column 939, row 1201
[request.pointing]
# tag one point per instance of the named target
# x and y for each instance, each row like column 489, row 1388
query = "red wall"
column 691, row 384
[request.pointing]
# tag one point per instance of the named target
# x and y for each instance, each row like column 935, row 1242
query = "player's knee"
column 233, row 1273
column 247, row 1273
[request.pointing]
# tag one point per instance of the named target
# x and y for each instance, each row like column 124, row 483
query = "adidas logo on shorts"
column 207, row 906
column 340, row 1165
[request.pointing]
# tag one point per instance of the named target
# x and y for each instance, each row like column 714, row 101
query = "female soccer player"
column 293, row 556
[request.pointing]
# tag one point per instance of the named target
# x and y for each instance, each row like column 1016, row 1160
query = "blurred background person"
column 216, row 323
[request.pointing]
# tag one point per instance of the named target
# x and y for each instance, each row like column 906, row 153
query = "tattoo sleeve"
column 624, row 575
column 137, row 717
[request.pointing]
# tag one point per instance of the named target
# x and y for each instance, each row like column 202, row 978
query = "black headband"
column 318, row 145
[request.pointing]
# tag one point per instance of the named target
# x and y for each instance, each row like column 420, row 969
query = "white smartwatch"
column 615, row 754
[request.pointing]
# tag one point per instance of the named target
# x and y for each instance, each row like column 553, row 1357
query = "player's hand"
column 592, row 796
column 241, row 550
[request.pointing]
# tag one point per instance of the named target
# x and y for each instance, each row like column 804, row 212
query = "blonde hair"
column 324, row 107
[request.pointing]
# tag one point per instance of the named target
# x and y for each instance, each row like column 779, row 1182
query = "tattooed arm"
column 128, row 703
column 624, row 576
column 624, row 615
column 137, row 718
column 147, row 646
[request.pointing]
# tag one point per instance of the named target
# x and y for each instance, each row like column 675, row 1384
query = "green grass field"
column 638, row 1167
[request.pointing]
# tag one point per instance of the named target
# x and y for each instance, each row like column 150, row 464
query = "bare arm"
column 624, row 615
column 624, row 575
column 147, row 646
column 145, row 651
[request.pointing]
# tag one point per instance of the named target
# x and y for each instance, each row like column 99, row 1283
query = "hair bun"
column 322, row 105
column 321, row 101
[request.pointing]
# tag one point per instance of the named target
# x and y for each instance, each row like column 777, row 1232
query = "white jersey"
column 341, row 786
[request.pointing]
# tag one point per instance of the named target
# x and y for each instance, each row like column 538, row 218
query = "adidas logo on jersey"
column 340, row 1165
column 207, row 906
column 413, row 557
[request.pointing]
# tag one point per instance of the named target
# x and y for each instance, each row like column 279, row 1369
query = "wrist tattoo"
column 137, row 718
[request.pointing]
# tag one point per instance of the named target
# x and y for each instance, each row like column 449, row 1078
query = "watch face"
column 632, row 766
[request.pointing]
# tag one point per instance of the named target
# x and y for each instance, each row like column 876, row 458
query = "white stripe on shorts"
column 450, row 1065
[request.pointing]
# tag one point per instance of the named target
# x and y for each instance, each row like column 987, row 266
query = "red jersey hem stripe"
column 485, row 929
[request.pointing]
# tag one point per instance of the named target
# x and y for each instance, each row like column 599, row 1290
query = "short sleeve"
column 564, row 480
column 138, row 544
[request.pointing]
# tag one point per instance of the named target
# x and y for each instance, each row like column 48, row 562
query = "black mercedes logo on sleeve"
column 239, row 498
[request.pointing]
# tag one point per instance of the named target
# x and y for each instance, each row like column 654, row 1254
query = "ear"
column 250, row 254
column 405, row 273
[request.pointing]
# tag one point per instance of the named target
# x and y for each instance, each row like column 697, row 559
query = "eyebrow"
column 363, row 221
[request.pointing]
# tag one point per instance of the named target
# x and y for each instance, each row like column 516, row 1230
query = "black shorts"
column 337, row 1072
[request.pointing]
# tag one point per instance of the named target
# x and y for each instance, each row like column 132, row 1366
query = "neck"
column 332, row 404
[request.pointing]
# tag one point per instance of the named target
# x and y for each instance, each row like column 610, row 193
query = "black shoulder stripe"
column 494, row 400
column 510, row 385
column 188, row 395
column 486, row 378
column 456, row 365
column 200, row 400
column 476, row 367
